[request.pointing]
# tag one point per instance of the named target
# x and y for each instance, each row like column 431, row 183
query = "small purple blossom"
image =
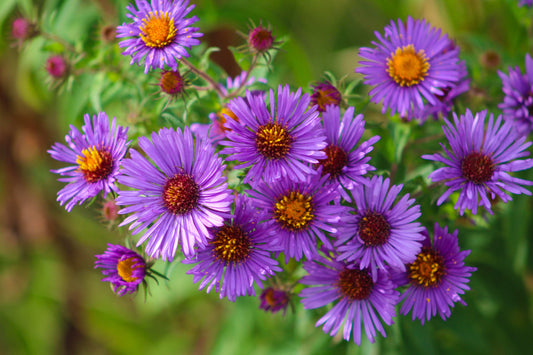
column 56, row 66
column 325, row 94
column 274, row 299
column 525, row 3
column 480, row 160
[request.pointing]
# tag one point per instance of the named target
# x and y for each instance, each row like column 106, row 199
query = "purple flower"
column 436, row 278
column 346, row 162
column 275, row 143
column 480, row 161
column 56, row 66
column 325, row 94
column 408, row 65
column 274, row 300
column 380, row 233
column 179, row 198
column 160, row 33
column 237, row 255
column 95, row 157
column 525, row 3
column 124, row 268
column 517, row 105
column 301, row 211
column 360, row 299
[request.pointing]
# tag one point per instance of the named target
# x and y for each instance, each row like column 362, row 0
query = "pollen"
column 125, row 268
column 95, row 164
column 334, row 163
column 355, row 284
column 273, row 141
column 180, row 194
column 477, row 168
column 294, row 211
column 158, row 29
column 428, row 269
column 374, row 229
column 408, row 67
column 231, row 244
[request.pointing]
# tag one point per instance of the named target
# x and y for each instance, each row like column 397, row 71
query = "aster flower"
column 57, row 67
column 436, row 278
column 274, row 299
column 301, row 212
column 95, row 156
column 480, row 161
column 179, row 198
column 160, row 33
column 380, row 233
column 408, row 65
column 358, row 298
column 346, row 162
column 517, row 105
column 276, row 143
column 237, row 255
column 123, row 268
column 325, row 94
column 525, row 3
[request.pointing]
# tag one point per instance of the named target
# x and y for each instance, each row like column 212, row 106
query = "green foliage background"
column 51, row 299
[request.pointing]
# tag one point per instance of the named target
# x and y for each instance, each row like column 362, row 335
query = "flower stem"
column 204, row 76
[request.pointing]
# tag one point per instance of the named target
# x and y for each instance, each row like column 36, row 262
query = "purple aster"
column 360, row 299
column 436, row 278
column 179, row 198
column 159, row 34
column 237, row 255
column 346, row 161
column 517, row 105
column 301, row 211
column 525, row 3
column 275, row 143
column 274, row 300
column 409, row 64
column 380, row 232
column 124, row 268
column 95, row 156
column 325, row 94
column 480, row 161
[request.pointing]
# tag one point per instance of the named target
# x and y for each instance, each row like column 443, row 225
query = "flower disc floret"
column 158, row 29
column 294, row 210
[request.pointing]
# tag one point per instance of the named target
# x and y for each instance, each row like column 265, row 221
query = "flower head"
column 237, row 255
column 436, row 278
column 380, row 233
column 123, row 268
column 179, row 198
column 346, row 161
column 517, row 105
column 95, row 156
column 274, row 143
column 22, row 29
column 57, row 66
column 301, row 211
column 359, row 298
column 525, row 3
column 159, row 34
column 260, row 39
column 274, row 300
column 172, row 83
column 325, row 94
column 480, row 160
column 408, row 65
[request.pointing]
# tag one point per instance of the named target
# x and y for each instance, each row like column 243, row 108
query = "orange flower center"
column 158, row 29
column 294, row 211
column 428, row 268
column 273, row 141
column 125, row 268
column 231, row 244
column 407, row 67
column 222, row 118
column 95, row 164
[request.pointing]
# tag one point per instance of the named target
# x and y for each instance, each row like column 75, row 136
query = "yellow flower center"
column 407, row 67
column 158, row 29
column 125, row 268
column 95, row 164
column 231, row 244
column 273, row 141
column 294, row 211
column 428, row 268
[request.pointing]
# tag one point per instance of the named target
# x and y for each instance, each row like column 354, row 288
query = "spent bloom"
column 436, row 278
column 360, row 300
column 409, row 66
column 274, row 299
column 275, row 143
column 346, row 161
column 123, row 268
column 160, row 34
column 172, row 83
column 480, row 160
column 237, row 255
column 95, row 155
column 380, row 232
column 177, row 199
column 325, row 94
column 517, row 105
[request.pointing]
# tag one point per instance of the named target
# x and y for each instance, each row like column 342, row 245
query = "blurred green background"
column 51, row 299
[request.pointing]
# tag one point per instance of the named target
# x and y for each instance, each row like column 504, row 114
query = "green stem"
column 204, row 76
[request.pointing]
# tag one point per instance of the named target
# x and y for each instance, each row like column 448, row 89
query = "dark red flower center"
column 335, row 161
column 355, row 284
column 273, row 141
column 180, row 194
column 374, row 229
column 95, row 164
column 428, row 269
column 231, row 244
column 171, row 82
column 477, row 168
